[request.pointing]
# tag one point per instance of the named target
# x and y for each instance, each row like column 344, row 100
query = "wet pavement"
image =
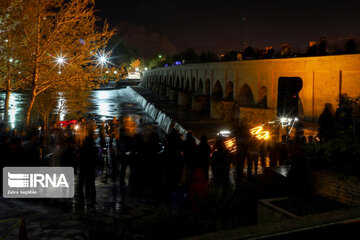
column 65, row 218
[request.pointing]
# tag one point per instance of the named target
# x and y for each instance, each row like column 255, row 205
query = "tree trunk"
column 31, row 104
column 7, row 100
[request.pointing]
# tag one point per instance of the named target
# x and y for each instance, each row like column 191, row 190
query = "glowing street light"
column 60, row 60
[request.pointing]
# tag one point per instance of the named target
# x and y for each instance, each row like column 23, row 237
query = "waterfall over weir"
column 164, row 121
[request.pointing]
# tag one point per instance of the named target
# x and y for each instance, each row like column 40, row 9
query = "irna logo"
column 38, row 182
column 19, row 180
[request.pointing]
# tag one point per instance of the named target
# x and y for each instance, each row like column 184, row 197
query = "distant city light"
column 146, row 69
column 115, row 72
column 160, row 56
column 11, row 60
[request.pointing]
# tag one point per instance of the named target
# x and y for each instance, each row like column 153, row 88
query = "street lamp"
column 60, row 60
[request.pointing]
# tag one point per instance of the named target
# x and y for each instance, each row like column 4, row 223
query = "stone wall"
column 222, row 109
column 257, row 116
column 345, row 189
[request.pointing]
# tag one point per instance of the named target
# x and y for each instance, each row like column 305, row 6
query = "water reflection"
column 16, row 108
column 107, row 104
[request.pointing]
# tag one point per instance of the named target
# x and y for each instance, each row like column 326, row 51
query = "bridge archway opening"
column 182, row 86
column 288, row 100
column 177, row 84
column 187, row 85
column 193, row 81
column 229, row 91
column 200, row 89
column 217, row 91
column 207, row 87
column 170, row 81
column 246, row 97
column 262, row 101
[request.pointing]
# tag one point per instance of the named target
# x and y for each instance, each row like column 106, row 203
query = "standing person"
column 81, row 133
column 125, row 145
column 114, row 131
column 253, row 156
column 221, row 163
column 202, row 159
column 175, row 163
column 240, row 157
column 284, row 151
column 274, row 150
column 327, row 123
column 189, row 150
column 88, row 164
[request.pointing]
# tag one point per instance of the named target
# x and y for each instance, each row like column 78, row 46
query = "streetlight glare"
column 60, row 60
column 102, row 59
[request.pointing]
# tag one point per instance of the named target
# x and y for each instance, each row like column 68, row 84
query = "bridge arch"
column 200, row 88
column 229, row 91
column 217, row 91
column 170, row 81
column 193, row 82
column 187, row 85
column 246, row 97
column 178, row 84
column 182, row 86
column 207, row 87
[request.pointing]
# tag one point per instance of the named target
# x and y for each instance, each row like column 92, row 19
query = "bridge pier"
column 162, row 90
column 200, row 103
column 167, row 91
column 222, row 110
column 184, row 98
column 173, row 95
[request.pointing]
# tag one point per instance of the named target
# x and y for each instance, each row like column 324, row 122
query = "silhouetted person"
column 175, row 163
column 202, row 159
column 124, row 149
column 189, row 149
column 327, row 123
column 221, row 163
column 88, row 163
column 274, row 151
column 198, row 188
column 253, row 156
column 240, row 157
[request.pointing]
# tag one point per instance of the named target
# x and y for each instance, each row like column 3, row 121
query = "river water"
column 104, row 105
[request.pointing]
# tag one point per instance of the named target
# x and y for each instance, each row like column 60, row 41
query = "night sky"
column 168, row 26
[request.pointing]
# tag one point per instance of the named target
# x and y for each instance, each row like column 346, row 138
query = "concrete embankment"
column 170, row 115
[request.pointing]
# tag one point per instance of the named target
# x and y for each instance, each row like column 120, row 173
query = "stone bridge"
column 249, row 89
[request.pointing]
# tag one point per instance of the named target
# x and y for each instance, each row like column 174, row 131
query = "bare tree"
column 59, row 43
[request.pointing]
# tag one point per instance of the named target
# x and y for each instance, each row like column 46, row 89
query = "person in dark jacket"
column 221, row 163
column 88, row 165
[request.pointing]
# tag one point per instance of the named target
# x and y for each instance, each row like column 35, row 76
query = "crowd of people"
column 155, row 161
